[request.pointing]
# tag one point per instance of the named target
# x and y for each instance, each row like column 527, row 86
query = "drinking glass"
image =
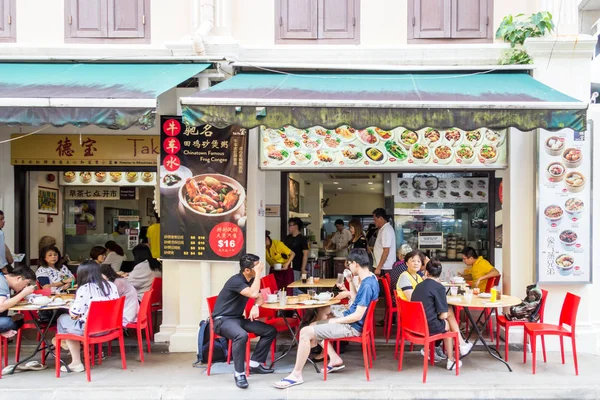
column 454, row 290
column 340, row 279
column 312, row 293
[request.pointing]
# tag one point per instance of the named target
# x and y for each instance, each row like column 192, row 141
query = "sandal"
column 331, row 368
column 286, row 383
column 77, row 368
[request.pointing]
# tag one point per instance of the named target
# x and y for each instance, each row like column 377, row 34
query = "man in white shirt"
column 341, row 239
column 385, row 245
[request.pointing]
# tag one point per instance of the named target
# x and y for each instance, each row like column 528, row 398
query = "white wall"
column 353, row 203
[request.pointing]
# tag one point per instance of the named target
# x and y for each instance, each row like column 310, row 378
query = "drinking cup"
column 454, row 290
column 312, row 293
column 340, row 279
column 271, row 298
column 317, row 279
column 494, row 294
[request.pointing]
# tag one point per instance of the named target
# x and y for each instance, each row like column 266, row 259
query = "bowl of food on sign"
column 395, row 150
column 100, row 176
column 575, row 181
column 333, row 142
column 303, row 157
column 572, row 157
column 368, row 137
column 351, row 154
column 116, row 176
column 568, row 239
column 212, row 196
column 276, row 154
column 375, row 155
column 132, row 177
column 273, row 135
column 494, row 137
column 383, row 134
column 291, row 143
column 574, row 207
column 403, row 194
column 442, row 154
column 85, row 177
column 488, row 154
column 453, row 137
column 420, row 153
column 290, row 131
column 346, row 133
column 409, row 138
column 465, row 154
column 69, row 176
column 564, row 263
column 147, row 177
column 171, row 182
column 326, row 157
column 554, row 145
column 555, row 172
column 473, row 137
column 553, row 213
column 312, row 143
column 319, row 131
column 431, row 137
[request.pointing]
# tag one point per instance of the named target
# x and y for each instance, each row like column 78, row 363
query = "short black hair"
column 296, row 221
column 42, row 260
column 24, row 272
column 434, row 268
column 470, row 252
column 359, row 256
column 247, row 261
column 339, row 222
column 97, row 251
column 415, row 253
column 1, row 212
column 108, row 272
column 122, row 224
column 156, row 216
column 380, row 213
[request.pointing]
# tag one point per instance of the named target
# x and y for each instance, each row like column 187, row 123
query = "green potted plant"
column 517, row 29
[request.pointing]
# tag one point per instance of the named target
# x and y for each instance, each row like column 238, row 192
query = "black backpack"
column 219, row 348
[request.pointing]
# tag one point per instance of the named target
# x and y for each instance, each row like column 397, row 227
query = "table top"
column 34, row 307
column 323, row 283
column 450, row 284
column 505, row 301
column 294, row 303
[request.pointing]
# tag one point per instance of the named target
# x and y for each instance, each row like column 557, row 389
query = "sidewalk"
column 172, row 377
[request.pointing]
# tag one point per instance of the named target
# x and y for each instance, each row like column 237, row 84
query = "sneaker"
column 451, row 365
column 440, row 353
column 436, row 356
column 465, row 348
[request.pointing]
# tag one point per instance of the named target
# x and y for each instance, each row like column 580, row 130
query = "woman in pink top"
column 132, row 306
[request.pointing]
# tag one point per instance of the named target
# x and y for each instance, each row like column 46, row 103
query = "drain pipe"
column 204, row 10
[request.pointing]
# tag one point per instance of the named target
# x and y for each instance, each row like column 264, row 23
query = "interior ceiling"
column 349, row 182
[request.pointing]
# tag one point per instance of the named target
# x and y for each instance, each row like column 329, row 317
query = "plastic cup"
column 494, row 294
column 454, row 290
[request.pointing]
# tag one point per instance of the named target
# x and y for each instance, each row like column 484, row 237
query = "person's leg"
column 297, row 276
column 307, row 340
column 267, row 334
column 65, row 324
column 8, row 327
column 75, row 354
column 231, row 329
column 453, row 327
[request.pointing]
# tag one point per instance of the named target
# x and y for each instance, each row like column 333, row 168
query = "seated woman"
column 145, row 270
column 279, row 253
column 115, row 255
column 126, row 289
column 91, row 287
column 410, row 278
column 59, row 275
column 98, row 254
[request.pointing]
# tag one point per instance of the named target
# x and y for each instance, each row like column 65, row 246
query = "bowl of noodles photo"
column 212, row 196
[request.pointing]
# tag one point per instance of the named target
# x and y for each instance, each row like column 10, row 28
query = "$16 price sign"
column 226, row 239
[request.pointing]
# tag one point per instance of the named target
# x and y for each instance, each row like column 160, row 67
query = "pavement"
column 166, row 376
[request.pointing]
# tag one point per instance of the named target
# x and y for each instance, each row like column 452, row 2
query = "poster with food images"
column 107, row 178
column 564, row 252
column 203, row 178
column 442, row 190
column 290, row 148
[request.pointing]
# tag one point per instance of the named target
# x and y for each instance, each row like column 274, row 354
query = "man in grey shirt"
column 20, row 280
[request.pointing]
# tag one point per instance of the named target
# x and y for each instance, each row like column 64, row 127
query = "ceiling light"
column 372, row 188
column 339, row 188
column 370, row 183
column 388, row 181
column 336, row 183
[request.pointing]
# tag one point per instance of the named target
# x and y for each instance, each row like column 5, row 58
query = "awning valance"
column 115, row 96
column 468, row 101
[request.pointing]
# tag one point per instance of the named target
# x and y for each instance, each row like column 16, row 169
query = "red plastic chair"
column 390, row 309
column 104, row 323
column 268, row 281
column 155, row 304
column 143, row 323
column 366, row 339
column 507, row 324
column 211, row 301
column 29, row 316
column 399, row 326
column 568, row 316
column 416, row 330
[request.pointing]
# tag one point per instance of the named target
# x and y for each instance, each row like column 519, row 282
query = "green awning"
column 115, row 96
column 495, row 100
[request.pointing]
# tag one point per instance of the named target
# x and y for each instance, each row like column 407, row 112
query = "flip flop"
column 79, row 368
column 286, row 383
column 31, row 366
column 8, row 369
column 331, row 368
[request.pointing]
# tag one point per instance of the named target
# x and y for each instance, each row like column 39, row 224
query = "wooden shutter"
column 126, row 18
column 7, row 19
column 431, row 19
column 298, row 19
column 88, row 18
column 470, row 19
column 337, row 19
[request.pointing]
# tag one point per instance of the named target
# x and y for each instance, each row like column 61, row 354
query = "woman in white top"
column 145, row 270
column 91, row 287
column 59, row 275
column 115, row 256
column 125, row 289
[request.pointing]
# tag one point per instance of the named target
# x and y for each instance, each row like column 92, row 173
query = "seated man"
column 440, row 318
column 480, row 269
column 350, row 324
column 19, row 280
column 230, row 323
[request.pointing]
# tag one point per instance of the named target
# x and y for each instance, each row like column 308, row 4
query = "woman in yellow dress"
column 279, row 253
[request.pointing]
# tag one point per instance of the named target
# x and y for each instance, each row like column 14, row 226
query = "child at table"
column 91, row 287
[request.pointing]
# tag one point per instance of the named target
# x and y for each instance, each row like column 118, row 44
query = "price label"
column 226, row 239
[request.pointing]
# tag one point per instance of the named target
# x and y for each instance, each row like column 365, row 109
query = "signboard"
column 97, row 150
column 431, row 240
column 106, row 178
column 127, row 193
column 290, row 148
column 203, row 181
column 272, row 210
column 564, row 230
column 442, row 190
column 424, row 211
column 91, row 193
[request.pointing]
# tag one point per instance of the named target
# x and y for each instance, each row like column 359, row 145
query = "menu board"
column 442, row 190
column 203, row 181
column 564, row 207
column 104, row 178
column 346, row 148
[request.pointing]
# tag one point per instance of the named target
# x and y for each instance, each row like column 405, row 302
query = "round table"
column 483, row 303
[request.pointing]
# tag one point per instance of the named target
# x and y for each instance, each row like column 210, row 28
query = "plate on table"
column 485, row 295
column 309, row 302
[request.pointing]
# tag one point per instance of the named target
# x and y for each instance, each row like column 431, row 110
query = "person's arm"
column 386, row 243
column 405, row 285
column 304, row 260
column 466, row 274
column 8, row 255
column 493, row 273
column 291, row 256
column 253, row 291
column 6, row 303
column 441, row 304
column 349, row 319
column 380, row 264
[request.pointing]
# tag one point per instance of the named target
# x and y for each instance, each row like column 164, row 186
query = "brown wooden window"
column 8, row 29
column 456, row 20
column 314, row 21
column 107, row 21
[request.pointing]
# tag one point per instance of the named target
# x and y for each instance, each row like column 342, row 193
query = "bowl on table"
column 41, row 300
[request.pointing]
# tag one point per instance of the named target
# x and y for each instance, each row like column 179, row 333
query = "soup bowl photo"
column 229, row 200
column 564, row 263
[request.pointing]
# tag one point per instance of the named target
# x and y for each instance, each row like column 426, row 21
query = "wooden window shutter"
column 337, row 19
column 470, row 19
column 7, row 19
column 88, row 18
column 431, row 19
column 126, row 19
column 297, row 19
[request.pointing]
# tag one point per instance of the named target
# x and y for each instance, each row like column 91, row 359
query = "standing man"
column 153, row 235
column 5, row 256
column 230, row 323
column 478, row 270
column 299, row 245
column 385, row 245
column 341, row 239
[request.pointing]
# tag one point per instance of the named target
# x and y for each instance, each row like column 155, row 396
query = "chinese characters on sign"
column 203, row 191
column 99, row 193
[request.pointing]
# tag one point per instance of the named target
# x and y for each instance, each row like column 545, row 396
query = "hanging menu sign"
column 203, row 181
column 290, row 148
column 564, row 231
column 442, row 190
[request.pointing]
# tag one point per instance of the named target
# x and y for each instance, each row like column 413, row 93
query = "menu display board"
column 104, row 178
column 203, row 181
column 564, row 252
column 442, row 190
column 346, row 147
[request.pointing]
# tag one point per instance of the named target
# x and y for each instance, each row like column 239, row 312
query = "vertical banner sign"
column 203, row 181
column 564, row 227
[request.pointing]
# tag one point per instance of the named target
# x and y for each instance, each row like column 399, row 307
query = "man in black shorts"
column 230, row 323
column 440, row 318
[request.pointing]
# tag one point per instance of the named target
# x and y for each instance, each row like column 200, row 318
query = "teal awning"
column 495, row 100
column 115, row 96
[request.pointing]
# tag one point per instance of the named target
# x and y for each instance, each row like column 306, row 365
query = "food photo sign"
column 564, row 231
column 346, row 147
column 203, row 180
column 442, row 190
